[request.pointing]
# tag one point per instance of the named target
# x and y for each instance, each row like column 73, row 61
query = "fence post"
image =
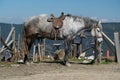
column 107, row 54
column 0, row 36
column 100, row 54
column 34, row 47
column 44, row 50
column 117, row 47
column 81, row 46
column 39, row 51
column 19, row 41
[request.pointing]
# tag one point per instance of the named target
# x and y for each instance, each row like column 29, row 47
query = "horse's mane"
column 88, row 21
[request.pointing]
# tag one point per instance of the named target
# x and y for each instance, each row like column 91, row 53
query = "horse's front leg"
column 97, row 48
column 67, row 52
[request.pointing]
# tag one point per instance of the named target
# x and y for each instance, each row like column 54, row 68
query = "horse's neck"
column 71, row 27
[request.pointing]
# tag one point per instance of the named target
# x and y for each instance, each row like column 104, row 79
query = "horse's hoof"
column 92, row 62
column 28, row 63
column 67, row 64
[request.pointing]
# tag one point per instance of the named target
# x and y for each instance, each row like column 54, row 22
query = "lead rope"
column 55, row 35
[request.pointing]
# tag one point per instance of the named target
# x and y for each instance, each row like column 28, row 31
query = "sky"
column 16, row 11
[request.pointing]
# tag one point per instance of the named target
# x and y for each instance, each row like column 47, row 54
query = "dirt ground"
column 56, row 71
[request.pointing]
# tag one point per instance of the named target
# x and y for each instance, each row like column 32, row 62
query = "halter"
column 93, row 32
column 55, row 32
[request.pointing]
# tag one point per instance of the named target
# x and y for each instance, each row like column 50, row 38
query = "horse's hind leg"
column 28, row 44
column 25, row 58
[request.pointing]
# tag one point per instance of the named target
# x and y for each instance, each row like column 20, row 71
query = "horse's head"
column 56, row 22
column 97, row 32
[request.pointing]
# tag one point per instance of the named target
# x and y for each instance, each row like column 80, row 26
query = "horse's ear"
column 52, row 16
column 51, row 19
column 62, row 17
column 99, row 24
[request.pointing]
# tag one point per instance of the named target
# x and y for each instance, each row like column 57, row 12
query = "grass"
column 106, row 61
column 71, row 59
column 7, row 64
column 74, row 59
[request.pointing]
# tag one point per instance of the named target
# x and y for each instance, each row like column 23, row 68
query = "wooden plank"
column 6, row 46
column 10, row 34
column 117, row 46
column 105, row 36
column 12, row 30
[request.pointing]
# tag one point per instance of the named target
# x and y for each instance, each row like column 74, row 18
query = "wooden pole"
column 78, row 50
column 117, row 47
column 81, row 46
column 13, row 38
column 97, row 51
column 2, row 49
column 34, row 47
column 105, row 36
column 107, row 54
column 39, row 51
column 44, row 50
column 74, row 51
column 10, row 34
column 18, row 41
column 36, row 56
column 100, row 50
column 12, row 30
column 0, row 36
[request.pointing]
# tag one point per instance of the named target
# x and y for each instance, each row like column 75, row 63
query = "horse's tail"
column 24, row 41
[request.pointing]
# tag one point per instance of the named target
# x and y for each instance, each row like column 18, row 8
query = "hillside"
column 110, row 28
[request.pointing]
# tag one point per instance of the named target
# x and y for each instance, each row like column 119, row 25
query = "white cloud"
column 95, row 18
column 104, row 20
column 17, row 20
column 9, row 18
column 110, row 20
column 115, row 20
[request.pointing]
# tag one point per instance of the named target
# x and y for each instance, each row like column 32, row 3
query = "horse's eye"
column 51, row 18
column 98, row 30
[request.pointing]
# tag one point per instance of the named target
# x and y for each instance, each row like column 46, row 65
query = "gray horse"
column 65, row 27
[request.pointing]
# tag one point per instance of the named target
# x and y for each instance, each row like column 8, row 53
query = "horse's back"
column 38, row 22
